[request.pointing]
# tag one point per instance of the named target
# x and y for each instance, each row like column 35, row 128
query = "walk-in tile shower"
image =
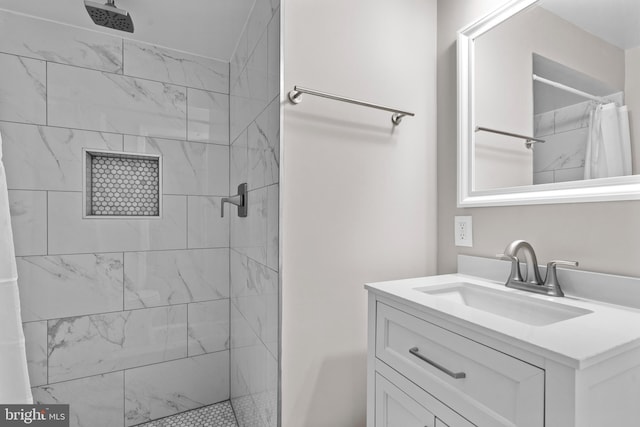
column 139, row 300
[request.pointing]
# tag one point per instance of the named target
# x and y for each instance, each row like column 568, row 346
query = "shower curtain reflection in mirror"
column 584, row 122
column 608, row 151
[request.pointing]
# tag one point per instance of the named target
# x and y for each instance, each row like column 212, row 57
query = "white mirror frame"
column 597, row 190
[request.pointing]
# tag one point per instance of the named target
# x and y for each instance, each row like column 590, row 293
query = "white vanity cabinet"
column 396, row 408
column 428, row 368
column 491, row 388
column 407, row 407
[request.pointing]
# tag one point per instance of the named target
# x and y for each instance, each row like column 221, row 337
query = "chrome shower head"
column 108, row 15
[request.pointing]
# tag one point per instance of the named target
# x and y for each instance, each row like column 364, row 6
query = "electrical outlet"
column 463, row 231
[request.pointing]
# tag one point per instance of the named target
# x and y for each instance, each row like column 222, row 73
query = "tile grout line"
column 229, row 236
column 257, row 335
column 123, row 284
column 186, row 113
column 46, row 324
column 46, row 213
column 46, row 92
column 122, row 53
column 99, row 374
column 118, row 311
column 186, row 233
column 124, row 398
column 114, row 72
column 235, row 416
column 98, row 252
column 216, row 248
column 131, row 217
column 118, row 134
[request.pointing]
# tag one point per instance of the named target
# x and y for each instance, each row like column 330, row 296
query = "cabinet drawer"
column 492, row 389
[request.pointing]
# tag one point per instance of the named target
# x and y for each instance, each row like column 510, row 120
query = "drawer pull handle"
column 457, row 375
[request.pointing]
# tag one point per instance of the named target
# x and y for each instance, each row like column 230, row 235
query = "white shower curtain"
column 609, row 143
column 14, row 378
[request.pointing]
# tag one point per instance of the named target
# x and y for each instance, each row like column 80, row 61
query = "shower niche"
column 122, row 185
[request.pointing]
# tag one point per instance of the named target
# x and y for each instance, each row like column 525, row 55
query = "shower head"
column 108, row 15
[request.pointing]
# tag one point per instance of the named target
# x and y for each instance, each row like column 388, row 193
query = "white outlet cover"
column 463, row 231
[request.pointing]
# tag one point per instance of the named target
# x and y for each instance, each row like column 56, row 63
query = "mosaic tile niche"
column 122, row 184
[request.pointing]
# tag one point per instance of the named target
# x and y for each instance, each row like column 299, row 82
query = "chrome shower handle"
column 240, row 200
column 234, row 200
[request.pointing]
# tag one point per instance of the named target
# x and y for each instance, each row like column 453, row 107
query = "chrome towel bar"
column 295, row 96
column 529, row 140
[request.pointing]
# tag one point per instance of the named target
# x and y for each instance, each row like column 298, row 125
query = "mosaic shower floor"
column 218, row 415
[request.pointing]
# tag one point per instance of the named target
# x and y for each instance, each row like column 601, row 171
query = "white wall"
column 602, row 236
column 359, row 197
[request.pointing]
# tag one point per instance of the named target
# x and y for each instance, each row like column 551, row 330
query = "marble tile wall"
column 98, row 401
column 562, row 156
column 50, row 41
column 164, row 389
column 127, row 320
column 23, row 88
column 255, row 159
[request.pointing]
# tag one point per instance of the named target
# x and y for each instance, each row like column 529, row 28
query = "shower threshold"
column 217, row 415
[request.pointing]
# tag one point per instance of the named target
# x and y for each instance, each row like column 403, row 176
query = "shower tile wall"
column 255, row 158
column 126, row 319
column 561, row 158
column 566, row 132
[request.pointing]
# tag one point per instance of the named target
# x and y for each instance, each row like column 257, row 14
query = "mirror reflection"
column 562, row 80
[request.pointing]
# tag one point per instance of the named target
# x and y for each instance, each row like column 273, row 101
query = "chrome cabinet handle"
column 457, row 375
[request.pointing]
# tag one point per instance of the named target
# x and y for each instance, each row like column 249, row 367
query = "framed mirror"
column 549, row 104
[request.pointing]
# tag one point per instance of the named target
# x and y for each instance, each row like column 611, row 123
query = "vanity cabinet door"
column 394, row 408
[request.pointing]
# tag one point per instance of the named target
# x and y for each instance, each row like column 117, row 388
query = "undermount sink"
column 522, row 308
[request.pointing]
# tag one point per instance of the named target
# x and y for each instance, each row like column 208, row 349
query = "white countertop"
column 578, row 342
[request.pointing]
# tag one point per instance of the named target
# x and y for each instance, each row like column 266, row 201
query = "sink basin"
column 522, row 308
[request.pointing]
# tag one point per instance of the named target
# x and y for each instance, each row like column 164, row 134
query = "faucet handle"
column 551, row 281
column 515, row 274
column 552, row 264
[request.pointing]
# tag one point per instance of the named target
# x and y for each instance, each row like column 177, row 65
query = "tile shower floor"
column 218, row 415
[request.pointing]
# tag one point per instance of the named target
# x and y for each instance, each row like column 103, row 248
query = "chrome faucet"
column 532, row 281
